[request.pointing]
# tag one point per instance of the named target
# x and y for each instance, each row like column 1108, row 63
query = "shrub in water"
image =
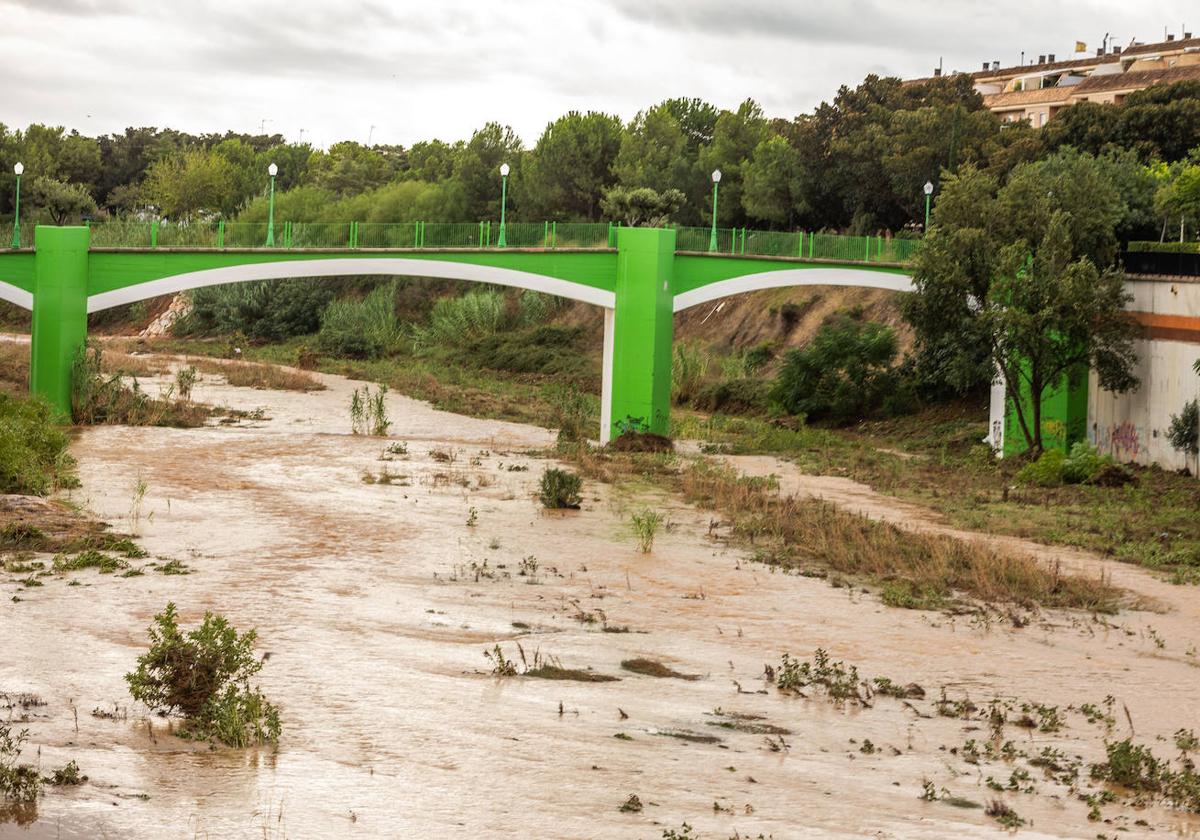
column 560, row 489
column 204, row 675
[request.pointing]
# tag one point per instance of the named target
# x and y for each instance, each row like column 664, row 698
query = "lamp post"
column 272, row 170
column 712, row 237
column 16, row 243
column 928, row 194
column 501, row 242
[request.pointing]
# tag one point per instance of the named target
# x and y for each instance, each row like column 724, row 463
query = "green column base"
column 1064, row 415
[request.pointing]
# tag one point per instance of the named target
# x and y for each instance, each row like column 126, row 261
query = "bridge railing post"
column 60, row 293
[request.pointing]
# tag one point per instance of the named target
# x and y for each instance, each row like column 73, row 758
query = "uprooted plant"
column 204, row 675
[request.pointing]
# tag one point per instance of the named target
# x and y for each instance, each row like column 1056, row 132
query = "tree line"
column 857, row 163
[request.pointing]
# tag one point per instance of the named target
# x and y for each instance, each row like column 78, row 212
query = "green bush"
column 271, row 310
column 845, row 374
column 560, row 489
column 1053, row 468
column 361, row 329
column 33, row 448
column 1046, row 471
column 474, row 315
column 543, row 349
column 205, row 676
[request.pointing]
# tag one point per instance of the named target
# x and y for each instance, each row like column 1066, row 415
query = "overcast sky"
column 441, row 68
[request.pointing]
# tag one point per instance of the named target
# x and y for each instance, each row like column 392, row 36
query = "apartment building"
column 1037, row 91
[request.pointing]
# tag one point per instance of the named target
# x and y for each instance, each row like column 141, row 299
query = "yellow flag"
column 1080, row 46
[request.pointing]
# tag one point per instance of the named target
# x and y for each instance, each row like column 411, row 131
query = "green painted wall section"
column 59, row 311
column 643, row 330
column 16, row 268
column 119, row 269
column 693, row 271
column 1064, row 415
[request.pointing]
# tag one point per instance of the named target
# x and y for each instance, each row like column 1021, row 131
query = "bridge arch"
column 16, row 295
column 344, row 266
column 780, row 278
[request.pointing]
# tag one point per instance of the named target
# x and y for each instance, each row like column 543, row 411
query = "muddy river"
column 375, row 603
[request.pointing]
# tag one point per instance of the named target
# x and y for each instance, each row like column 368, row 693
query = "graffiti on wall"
column 1121, row 440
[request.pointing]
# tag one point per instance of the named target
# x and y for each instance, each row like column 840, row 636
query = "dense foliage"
column 844, row 375
column 857, row 162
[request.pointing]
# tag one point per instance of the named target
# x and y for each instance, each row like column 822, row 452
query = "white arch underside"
column 15, row 294
column 793, row 277
column 335, row 267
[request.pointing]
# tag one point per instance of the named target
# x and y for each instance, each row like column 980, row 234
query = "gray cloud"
column 416, row 70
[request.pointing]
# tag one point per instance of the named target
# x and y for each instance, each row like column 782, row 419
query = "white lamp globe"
column 504, row 170
column 716, row 176
column 19, row 168
column 272, row 170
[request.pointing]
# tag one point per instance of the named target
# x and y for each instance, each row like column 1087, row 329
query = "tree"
column 654, row 152
column 61, row 201
column 1048, row 313
column 190, row 183
column 478, row 169
column 735, row 137
column 774, row 182
column 974, row 220
column 568, row 170
column 349, row 167
column 641, row 206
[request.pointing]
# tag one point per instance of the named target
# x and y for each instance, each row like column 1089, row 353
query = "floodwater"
column 375, row 623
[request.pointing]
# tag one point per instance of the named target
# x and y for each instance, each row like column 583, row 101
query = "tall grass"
column 689, row 366
column 362, row 329
column 474, row 315
column 916, row 569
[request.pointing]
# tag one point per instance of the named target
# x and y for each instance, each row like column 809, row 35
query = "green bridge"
column 639, row 276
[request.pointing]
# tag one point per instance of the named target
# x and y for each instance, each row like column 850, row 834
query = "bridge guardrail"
column 132, row 233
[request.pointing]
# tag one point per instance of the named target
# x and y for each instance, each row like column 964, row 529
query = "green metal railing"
column 129, row 233
column 798, row 244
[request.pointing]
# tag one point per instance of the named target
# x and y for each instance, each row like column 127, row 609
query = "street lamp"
column 16, row 243
column 928, row 194
column 712, row 238
column 272, row 170
column 504, row 170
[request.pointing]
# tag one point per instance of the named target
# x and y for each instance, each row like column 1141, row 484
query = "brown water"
column 393, row 725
